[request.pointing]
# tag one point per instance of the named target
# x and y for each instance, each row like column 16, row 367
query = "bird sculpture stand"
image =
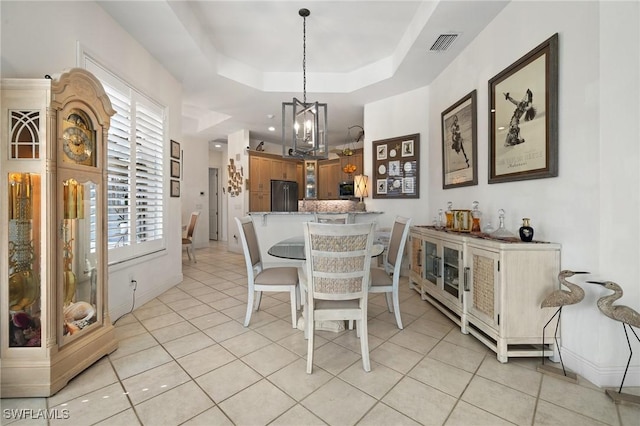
column 629, row 318
column 558, row 299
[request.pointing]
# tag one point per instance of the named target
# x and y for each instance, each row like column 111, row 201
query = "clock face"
column 78, row 143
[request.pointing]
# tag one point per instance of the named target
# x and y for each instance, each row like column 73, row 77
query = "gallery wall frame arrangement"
column 175, row 188
column 175, row 150
column 396, row 167
column 523, row 117
column 175, row 169
column 460, row 143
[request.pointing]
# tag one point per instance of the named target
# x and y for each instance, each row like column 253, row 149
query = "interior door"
column 213, row 204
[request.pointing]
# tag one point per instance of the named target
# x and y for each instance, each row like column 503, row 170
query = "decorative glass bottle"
column 475, row 215
column 502, row 232
column 526, row 231
column 449, row 215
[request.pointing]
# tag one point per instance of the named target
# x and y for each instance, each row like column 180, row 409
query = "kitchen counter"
column 273, row 227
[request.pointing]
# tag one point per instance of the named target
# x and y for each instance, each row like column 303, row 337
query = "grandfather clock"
column 54, row 317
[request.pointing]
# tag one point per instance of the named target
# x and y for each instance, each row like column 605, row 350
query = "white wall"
column 591, row 207
column 237, row 206
column 35, row 41
column 194, row 191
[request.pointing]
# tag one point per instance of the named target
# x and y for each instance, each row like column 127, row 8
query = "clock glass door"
column 80, row 256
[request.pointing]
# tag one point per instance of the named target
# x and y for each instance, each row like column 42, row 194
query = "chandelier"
column 304, row 124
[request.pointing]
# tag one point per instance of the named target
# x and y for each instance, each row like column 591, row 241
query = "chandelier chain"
column 304, row 60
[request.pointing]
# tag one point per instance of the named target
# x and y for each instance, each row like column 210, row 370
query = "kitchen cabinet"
column 329, row 175
column 500, row 285
column 262, row 169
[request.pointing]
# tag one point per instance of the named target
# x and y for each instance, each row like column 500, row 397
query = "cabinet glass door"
column 431, row 265
column 451, row 271
column 24, row 260
column 80, row 256
column 310, row 179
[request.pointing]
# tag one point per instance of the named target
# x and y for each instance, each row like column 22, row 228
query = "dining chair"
column 341, row 218
column 259, row 279
column 385, row 279
column 187, row 242
column 338, row 261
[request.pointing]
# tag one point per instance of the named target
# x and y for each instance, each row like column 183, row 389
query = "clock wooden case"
column 54, row 317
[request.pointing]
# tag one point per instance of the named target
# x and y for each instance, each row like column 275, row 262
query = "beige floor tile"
column 339, row 403
column 152, row 311
column 296, row 416
column 294, row 380
column 505, row 402
column 444, row 377
column 138, row 362
column 431, row 328
column 456, row 337
column 512, row 375
column 174, row 331
column 173, row 295
column 184, row 304
column 227, row 380
column 162, row 410
column 212, row 296
column 127, row 318
column 201, row 291
column 93, row 407
column 382, row 414
column 268, row 401
column 245, row 343
column 422, row 403
column 126, row 417
column 161, row 321
column 352, row 342
column 376, row 382
column 382, row 329
column 237, row 312
column 415, row 341
column 467, row 359
column 225, row 331
column 196, row 311
column 99, row 375
column 629, row 413
column 213, row 416
column 17, row 411
column 548, row 414
column 269, row 359
column 188, row 344
column 278, row 329
column 396, row 357
column 334, row 358
column 133, row 344
column 465, row 414
column 297, row 344
column 153, row 382
column 225, row 303
column 128, row 330
column 205, row 360
column 589, row 402
column 210, row 320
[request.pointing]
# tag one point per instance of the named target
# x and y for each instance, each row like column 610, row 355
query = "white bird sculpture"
column 624, row 314
column 560, row 298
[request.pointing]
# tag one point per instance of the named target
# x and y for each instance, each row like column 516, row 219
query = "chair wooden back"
column 193, row 221
column 338, row 260
column 249, row 243
column 397, row 241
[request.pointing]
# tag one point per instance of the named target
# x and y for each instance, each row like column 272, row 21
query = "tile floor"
column 185, row 359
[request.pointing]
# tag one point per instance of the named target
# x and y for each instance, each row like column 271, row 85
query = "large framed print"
column 523, row 117
column 396, row 167
column 459, row 143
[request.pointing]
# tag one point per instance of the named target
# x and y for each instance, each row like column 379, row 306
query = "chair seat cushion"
column 277, row 276
column 320, row 304
column 379, row 277
column 186, row 241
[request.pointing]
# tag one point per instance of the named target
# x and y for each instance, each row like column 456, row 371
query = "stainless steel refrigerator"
column 284, row 196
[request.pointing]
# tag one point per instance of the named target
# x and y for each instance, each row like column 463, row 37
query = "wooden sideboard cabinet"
column 499, row 285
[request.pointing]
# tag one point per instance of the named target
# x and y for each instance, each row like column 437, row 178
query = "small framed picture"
column 381, row 152
column 175, row 188
column 175, row 150
column 175, row 169
column 407, row 148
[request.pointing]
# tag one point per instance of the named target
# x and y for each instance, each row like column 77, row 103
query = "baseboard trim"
column 604, row 377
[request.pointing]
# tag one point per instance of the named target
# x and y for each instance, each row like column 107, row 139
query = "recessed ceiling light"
column 272, row 129
column 270, row 116
column 218, row 145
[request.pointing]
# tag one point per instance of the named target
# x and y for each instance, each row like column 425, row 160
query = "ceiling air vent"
column 443, row 42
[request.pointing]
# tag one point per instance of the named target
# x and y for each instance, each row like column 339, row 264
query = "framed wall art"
column 175, row 169
column 459, row 143
column 396, row 167
column 175, row 188
column 523, row 117
column 175, row 150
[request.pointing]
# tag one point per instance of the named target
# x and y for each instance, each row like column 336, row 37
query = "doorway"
column 213, row 204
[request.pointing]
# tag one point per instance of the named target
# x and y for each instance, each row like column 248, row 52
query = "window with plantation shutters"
column 135, row 170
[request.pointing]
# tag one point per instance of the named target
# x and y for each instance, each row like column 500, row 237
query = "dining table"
column 294, row 248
